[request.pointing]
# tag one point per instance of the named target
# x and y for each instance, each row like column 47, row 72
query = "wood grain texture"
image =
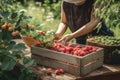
column 54, row 59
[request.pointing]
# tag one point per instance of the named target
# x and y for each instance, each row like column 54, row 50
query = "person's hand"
column 57, row 36
column 66, row 38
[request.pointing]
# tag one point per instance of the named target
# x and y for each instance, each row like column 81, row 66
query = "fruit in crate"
column 64, row 55
column 77, row 50
column 74, row 50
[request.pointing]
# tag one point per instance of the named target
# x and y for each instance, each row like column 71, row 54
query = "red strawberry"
column 63, row 50
column 70, row 45
column 76, row 53
column 49, row 71
column 78, row 46
column 57, row 72
column 82, row 53
column 62, row 71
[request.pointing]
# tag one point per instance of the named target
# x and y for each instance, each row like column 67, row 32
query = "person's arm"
column 87, row 28
column 62, row 26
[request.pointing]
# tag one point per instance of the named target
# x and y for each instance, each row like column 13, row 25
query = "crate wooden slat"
column 91, row 62
column 75, row 65
column 56, row 64
column 91, row 57
column 55, row 55
column 91, row 67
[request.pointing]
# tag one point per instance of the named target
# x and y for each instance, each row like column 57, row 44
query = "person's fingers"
column 66, row 38
column 56, row 38
column 62, row 39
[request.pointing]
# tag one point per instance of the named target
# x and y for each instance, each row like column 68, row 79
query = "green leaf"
column 0, row 63
column 8, row 64
column 5, row 15
column 21, row 77
column 17, row 54
column 28, row 61
column 9, row 45
column 0, row 34
column 20, row 46
column 14, row 14
column 4, row 51
column 12, row 43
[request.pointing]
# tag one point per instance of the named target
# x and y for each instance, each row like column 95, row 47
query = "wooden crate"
column 76, row 65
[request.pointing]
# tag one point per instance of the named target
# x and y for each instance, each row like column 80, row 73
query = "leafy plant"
column 109, row 12
column 11, row 19
column 14, row 19
column 45, row 38
column 11, row 56
column 14, row 65
column 54, row 8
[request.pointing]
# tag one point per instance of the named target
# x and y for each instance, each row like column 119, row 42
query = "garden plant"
column 14, row 65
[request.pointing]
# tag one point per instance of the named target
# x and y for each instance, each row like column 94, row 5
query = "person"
column 78, row 15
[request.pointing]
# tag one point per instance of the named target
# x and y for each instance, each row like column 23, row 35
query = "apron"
column 77, row 16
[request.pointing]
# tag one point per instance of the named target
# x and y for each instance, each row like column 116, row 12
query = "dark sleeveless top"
column 77, row 16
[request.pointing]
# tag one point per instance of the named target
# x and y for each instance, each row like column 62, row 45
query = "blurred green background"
column 47, row 14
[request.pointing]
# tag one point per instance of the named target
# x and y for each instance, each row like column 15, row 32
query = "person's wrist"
column 57, row 36
column 72, row 35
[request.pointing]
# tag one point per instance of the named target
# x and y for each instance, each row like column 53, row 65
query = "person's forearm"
column 61, row 29
column 89, row 27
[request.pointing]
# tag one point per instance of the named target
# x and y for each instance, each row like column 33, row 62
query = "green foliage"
column 46, row 39
column 54, row 7
column 12, row 57
column 109, row 13
column 9, row 13
column 11, row 16
column 116, row 52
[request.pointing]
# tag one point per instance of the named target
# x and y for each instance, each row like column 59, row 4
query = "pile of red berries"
column 74, row 50
column 57, row 71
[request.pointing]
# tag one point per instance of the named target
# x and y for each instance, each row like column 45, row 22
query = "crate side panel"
column 91, row 67
column 44, row 61
column 91, row 57
column 55, row 55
